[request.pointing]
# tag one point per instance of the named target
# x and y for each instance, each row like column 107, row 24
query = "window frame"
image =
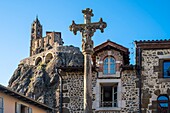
column 96, row 103
column 102, row 102
column 160, row 69
column 109, row 64
column 163, row 68
column 161, row 108
column 20, row 106
column 2, row 107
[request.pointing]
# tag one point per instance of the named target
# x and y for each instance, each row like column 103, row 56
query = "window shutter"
column 1, row 105
column 17, row 108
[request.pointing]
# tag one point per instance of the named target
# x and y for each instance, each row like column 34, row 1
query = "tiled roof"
column 24, row 98
column 152, row 41
column 108, row 45
column 153, row 44
column 113, row 44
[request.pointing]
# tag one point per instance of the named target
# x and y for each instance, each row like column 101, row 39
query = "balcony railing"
column 108, row 104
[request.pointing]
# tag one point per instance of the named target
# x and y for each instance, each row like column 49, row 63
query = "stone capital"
column 87, row 46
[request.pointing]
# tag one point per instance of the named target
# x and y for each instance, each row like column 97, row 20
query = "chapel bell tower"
column 36, row 34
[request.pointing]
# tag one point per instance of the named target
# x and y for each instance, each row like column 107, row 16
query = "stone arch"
column 48, row 57
column 38, row 61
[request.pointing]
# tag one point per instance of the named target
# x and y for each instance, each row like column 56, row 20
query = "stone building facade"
column 143, row 87
column 114, row 88
column 155, row 77
column 117, row 86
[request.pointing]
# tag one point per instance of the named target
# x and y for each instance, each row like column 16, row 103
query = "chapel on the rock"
column 117, row 86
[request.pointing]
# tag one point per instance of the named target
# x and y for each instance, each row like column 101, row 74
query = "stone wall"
column 153, row 85
column 130, row 92
column 73, row 93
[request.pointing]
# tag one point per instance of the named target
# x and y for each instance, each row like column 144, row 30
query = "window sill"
column 101, row 75
column 108, row 109
column 164, row 80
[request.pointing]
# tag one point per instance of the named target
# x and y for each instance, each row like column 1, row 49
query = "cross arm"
column 80, row 27
column 99, row 25
column 76, row 27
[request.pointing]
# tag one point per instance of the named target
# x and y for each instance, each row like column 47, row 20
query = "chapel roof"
column 153, row 44
column 112, row 45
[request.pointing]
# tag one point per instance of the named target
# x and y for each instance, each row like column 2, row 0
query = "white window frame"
column 18, row 108
column 2, row 107
column 96, row 103
column 113, row 94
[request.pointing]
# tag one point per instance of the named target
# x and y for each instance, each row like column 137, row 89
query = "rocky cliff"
column 40, row 82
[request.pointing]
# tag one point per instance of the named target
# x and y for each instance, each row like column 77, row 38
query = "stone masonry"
column 126, row 79
column 153, row 54
column 153, row 86
column 73, row 91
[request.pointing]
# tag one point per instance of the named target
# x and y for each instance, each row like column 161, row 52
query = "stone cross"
column 87, row 30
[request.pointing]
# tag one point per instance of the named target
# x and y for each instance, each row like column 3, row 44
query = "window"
column 166, row 69
column 108, row 95
column 1, row 105
column 20, row 108
column 48, row 58
column 38, row 61
column 163, row 104
column 108, row 92
column 163, row 69
column 109, row 66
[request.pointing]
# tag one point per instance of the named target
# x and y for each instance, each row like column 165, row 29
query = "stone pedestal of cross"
column 87, row 30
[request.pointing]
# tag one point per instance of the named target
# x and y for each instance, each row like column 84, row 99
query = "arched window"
column 163, row 104
column 38, row 61
column 109, row 66
column 48, row 58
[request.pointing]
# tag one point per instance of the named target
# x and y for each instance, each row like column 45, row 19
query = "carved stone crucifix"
column 87, row 30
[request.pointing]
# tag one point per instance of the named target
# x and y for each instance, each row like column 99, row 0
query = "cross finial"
column 87, row 29
column 87, row 15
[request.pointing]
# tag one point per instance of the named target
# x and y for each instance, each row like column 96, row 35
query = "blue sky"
column 127, row 20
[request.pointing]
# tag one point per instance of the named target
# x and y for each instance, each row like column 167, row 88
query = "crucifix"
column 87, row 30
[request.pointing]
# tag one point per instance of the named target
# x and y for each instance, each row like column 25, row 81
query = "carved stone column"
column 87, row 30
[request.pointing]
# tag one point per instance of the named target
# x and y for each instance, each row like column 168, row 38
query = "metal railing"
column 108, row 104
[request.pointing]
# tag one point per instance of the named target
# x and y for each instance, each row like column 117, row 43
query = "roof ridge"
column 108, row 40
column 148, row 41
